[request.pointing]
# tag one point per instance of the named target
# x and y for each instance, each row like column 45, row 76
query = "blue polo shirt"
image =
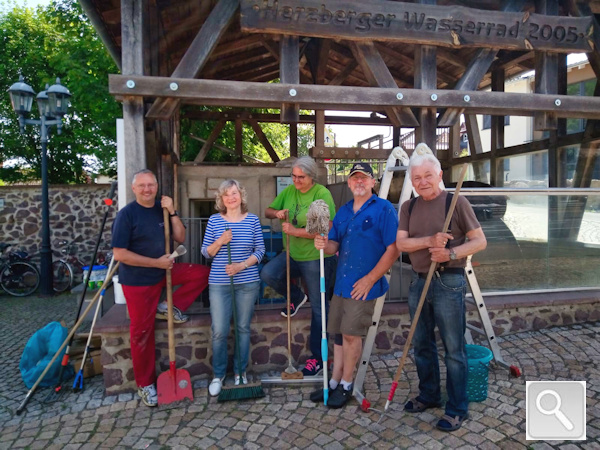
column 363, row 238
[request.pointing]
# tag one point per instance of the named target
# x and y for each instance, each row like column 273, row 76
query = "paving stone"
column 286, row 418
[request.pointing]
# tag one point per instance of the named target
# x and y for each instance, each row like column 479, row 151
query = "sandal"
column 416, row 406
column 449, row 423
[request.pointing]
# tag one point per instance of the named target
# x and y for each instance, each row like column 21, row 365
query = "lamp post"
column 53, row 104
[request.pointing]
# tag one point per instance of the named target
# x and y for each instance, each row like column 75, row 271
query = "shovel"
column 175, row 384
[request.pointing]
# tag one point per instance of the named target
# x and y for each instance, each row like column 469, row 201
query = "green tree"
column 276, row 133
column 57, row 41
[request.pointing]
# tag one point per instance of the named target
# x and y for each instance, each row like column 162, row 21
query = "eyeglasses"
column 298, row 177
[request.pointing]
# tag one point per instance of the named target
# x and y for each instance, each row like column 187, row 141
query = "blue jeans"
column 221, row 313
column 274, row 275
column 444, row 306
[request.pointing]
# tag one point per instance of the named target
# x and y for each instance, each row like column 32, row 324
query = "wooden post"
column 497, row 133
column 132, row 34
column 319, row 128
column 289, row 70
column 426, row 78
column 239, row 140
column 294, row 139
column 475, row 145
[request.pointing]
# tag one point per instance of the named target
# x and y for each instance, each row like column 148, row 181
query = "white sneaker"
column 178, row 316
column 244, row 379
column 215, row 386
column 148, row 395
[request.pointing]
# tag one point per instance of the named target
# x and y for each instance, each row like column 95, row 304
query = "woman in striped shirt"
column 232, row 226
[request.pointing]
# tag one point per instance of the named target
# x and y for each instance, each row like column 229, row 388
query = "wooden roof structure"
column 419, row 63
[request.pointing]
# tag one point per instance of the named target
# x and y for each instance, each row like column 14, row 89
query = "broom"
column 242, row 391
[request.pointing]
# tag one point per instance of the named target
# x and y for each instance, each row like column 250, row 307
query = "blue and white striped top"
column 247, row 240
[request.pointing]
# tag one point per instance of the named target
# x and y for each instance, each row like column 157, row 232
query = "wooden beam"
column 239, row 139
column 132, row 32
column 322, row 152
column 320, row 128
column 409, row 62
column 343, row 74
column 208, row 143
column 197, row 54
column 274, row 118
column 473, row 134
column 535, row 146
column 263, row 139
column 323, row 59
column 378, row 74
column 478, row 67
column 426, row 78
column 289, row 71
column 497, row 133
column 294, row 140
column 579, row 9
column 225, row 150
column 412, row 23
column 271, row 95
column 546, row 73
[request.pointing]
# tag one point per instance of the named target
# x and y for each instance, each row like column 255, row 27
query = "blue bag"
column 38, row 352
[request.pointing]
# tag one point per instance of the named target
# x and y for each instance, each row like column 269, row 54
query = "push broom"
column 415, row 320
column 241, row 391
column 290, row 373
column 317, row 221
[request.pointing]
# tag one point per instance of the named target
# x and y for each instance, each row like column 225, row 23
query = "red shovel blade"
column 174, row 385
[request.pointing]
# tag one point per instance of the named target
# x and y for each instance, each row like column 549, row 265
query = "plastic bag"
column 38, row 352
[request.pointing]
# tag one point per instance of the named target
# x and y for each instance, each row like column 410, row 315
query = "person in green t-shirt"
column 304, row 257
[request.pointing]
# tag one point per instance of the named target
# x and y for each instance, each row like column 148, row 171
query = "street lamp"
column 52, row 104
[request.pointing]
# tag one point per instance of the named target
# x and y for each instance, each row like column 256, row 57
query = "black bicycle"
column 18, row 276
column 68, row 270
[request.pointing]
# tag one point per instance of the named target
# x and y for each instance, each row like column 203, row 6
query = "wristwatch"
column 452, row 255
column 174, row 214
column 245, row 265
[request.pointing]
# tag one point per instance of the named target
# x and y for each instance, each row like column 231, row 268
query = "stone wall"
column 268, row 351
column 76, row 213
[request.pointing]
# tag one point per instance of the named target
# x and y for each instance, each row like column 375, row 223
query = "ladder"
column 400, row 157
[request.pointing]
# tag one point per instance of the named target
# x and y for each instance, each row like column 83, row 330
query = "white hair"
column 421, row 155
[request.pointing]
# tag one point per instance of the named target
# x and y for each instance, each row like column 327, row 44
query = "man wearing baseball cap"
column 364, row 233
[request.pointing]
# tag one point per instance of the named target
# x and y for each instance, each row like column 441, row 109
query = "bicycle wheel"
column 62, row 276
column 20, row 278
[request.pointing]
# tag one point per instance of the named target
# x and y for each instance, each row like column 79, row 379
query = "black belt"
column 443, row 270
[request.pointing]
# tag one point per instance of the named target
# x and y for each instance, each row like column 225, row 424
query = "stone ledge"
column 268, row 342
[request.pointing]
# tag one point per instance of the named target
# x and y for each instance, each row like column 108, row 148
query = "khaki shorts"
column 349, row 316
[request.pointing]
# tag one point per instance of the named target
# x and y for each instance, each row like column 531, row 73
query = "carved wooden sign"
column 452, row 26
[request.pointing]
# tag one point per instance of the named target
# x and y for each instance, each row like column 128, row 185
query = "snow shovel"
column 175, row 384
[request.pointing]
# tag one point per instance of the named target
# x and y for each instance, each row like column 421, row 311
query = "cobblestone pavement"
column 286, row 418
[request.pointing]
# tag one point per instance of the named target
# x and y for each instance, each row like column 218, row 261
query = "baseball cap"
column 362, row 168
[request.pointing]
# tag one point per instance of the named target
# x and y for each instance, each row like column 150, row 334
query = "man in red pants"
column 138, row 242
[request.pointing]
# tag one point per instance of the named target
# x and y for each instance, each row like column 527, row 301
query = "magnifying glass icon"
column 553, row 411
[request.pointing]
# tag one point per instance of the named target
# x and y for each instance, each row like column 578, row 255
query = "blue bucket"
column 477, row 382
